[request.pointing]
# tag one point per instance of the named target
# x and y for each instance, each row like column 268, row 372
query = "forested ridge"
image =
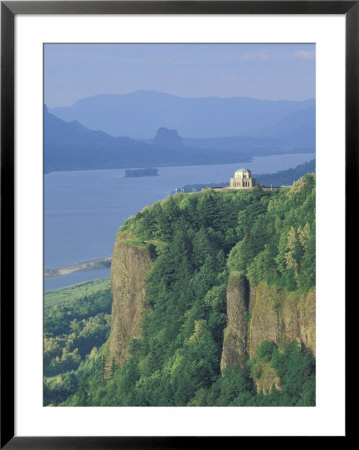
column 196, row 241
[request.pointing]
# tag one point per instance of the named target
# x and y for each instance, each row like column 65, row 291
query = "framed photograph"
column 175, row 182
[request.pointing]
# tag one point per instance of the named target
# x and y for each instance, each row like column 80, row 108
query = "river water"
column 84, row 209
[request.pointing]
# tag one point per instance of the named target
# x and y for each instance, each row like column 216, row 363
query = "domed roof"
column 240, row 171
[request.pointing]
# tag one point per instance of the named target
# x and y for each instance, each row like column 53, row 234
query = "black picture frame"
column 9, row 9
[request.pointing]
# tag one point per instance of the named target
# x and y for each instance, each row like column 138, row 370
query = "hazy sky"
column 264, row 71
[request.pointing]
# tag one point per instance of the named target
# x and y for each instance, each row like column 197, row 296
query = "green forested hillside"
column 77, row 322
column 199, row 239
column 286, row 177
column 70, row 294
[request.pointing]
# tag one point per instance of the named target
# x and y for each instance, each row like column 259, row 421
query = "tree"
column 82, row 393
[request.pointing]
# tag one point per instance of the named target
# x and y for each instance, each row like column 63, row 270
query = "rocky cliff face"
column 236, row 335
column 167, row 138
column 131, row 262
column 255, row 313
column 263, row 313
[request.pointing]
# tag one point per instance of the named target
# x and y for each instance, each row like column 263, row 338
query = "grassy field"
column 72, row 293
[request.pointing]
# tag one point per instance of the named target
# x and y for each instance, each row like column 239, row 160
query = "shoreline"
column 86, row 266
column 244, row 159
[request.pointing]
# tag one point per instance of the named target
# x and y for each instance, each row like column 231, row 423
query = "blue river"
column 84, row 209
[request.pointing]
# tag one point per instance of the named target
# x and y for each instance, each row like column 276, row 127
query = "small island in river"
column 148, row 172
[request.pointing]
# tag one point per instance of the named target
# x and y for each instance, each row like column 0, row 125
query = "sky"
column 262, row 71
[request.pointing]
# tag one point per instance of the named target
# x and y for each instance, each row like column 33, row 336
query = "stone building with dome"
column 242, row 180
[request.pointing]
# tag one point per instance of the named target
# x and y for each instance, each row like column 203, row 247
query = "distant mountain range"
column 140, row 114
column 71, row 146
column 91, row 133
